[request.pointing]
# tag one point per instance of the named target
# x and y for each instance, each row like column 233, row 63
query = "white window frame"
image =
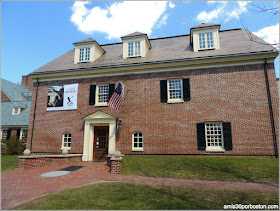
column 85, row 55
column 178, row 100
column 139, row 149
column 134, row 53
column 214, row 148
column 16, row 110
column 63, row 136
column 97, row 103
column 206, row 40
column 22, row 132
column 2, row 133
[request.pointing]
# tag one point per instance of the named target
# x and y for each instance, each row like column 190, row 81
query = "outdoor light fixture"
column 119, row 124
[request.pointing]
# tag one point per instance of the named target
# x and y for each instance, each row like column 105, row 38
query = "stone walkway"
column 21, row 186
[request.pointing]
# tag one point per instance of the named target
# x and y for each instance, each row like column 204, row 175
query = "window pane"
column 135, row 144
column 140, row 144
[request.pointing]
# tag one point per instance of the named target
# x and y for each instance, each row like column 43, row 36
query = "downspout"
column 270, row 111
column 34, row 115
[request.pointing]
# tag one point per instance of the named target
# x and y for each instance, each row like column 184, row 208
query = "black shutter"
column 227, row 135
column 111, row 90
column 92, row 94
column 163, row 91
column 18, row 133
column 8, row 134
column 186, row 89
column 200, row 128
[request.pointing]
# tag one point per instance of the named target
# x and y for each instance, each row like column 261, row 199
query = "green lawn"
column 9, row 163
column 141, row 197
column 241, row 169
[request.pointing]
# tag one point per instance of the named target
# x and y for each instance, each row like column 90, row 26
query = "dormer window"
column 206, row 41
column 136, row 44
column 84, row 54
column 205, row 36
column 16, row 110
column 134, row 49
column 87, row 51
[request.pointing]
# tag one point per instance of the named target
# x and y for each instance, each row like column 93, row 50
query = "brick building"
column 210, row 92
column 15, row 109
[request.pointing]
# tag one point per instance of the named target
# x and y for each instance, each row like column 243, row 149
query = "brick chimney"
column 27, row 82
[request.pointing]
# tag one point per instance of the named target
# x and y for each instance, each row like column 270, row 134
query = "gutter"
column 271, row 111
column 156, row 62
column 34, row 115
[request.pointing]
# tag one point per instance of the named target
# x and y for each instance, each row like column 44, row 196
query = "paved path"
column 21, row 186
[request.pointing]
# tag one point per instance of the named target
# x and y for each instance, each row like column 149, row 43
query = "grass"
column 234, row 169
column 9, row 163
column 141, row 197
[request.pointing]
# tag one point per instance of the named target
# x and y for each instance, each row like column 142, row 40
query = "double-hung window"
column 102, row 95
column 84, row 55
column 206, row 41
column 134, row 49
column 4, row 134
column 214, row 136
column 137, row 141
column 23, row 135
column 175, row 90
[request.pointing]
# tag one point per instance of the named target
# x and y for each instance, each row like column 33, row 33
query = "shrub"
column 14, row 146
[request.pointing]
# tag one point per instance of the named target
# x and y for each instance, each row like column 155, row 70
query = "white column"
column 86, row 142
column 112, row 136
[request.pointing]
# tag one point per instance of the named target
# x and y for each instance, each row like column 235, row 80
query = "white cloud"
column 162, row 21
column 210, row 16
column 120, row 18
column 269, row 34
column 171, row 5
column 223, row 11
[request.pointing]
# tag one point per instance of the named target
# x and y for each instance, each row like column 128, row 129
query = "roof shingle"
column 164, row 49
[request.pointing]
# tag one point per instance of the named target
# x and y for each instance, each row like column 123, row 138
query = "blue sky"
column 34, row 33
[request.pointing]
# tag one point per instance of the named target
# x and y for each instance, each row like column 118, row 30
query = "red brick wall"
column 27, row 163
column 231, row 94
column 4, row 96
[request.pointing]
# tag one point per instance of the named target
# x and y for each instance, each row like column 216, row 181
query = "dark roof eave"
column 155, row 62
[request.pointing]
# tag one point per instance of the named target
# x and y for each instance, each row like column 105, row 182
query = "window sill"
column 101, row 105
column 215, row 150
column 138, row 150
column 205, row 49
column 68, row 148
column 175, row 101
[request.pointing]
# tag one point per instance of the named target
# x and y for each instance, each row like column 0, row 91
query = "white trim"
column 97, row 103
column 89, row 74
column 19, row 110
column 214, row 148
column 21, row 133
column 179, row 100
column 98, row 119
column 2, row 132
column 139, row 149
column 62, row 147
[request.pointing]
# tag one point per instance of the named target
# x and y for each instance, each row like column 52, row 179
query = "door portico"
column 98, row 118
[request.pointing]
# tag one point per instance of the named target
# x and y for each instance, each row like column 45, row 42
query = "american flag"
column 116, row 99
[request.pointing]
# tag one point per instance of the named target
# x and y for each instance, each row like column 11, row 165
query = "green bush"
column 14, row 146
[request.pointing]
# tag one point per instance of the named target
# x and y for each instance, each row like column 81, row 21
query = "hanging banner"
column 62, row 97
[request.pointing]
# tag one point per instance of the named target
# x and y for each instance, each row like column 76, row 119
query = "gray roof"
column 8, row 119
column 232, row 42
column 85, row 41
column 14, row 91
column 203, row 25
column 134, row 34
